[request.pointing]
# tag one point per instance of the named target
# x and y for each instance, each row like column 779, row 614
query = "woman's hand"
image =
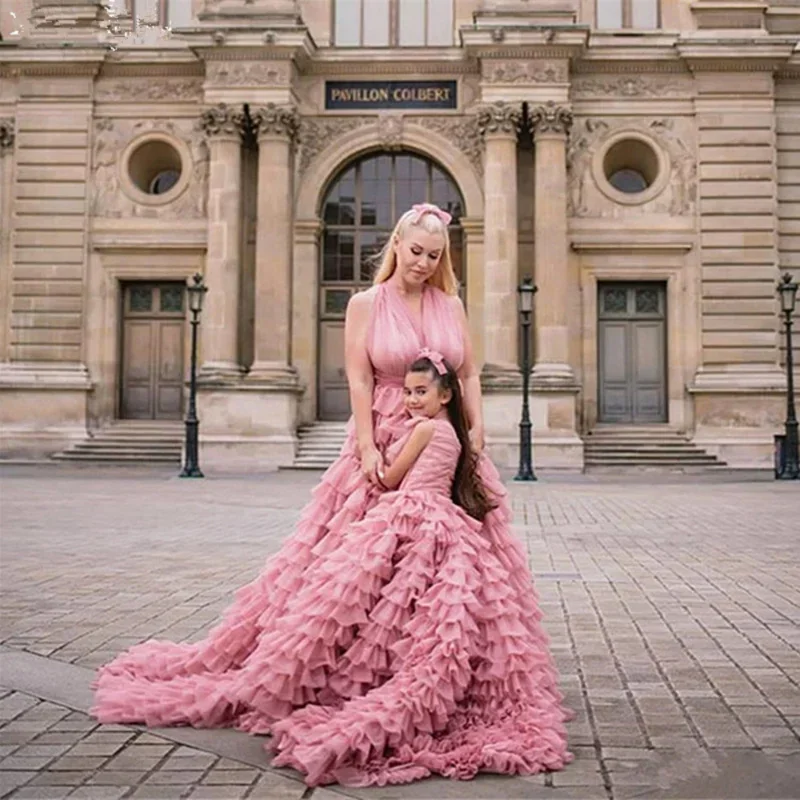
column 371, row 464
column 476, row 438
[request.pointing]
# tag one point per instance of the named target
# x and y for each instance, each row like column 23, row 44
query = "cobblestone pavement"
column 672, row 605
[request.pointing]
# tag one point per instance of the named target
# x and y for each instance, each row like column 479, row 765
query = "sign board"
column 381, row 95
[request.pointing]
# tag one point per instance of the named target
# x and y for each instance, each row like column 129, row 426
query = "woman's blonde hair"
column 445, row 277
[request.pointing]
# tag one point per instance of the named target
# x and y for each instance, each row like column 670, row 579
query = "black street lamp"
column 191, row 468
column 789, row 465
column 525, row 292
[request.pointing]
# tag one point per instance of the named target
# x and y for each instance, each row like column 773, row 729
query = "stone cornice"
column 745, row 54
column 495, row 42
column 638, row 241
column 402, row 61
column 52, row 61
column 602, row 66
column 227, row 45
column 152, row 70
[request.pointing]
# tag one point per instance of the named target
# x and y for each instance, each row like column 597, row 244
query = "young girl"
column 432, row 395
column 405, row 650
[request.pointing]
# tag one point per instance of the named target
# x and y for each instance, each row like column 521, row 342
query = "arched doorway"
column 358, row 212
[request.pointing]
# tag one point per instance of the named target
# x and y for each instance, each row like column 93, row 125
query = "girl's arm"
column 417, row 442
column 360, row 379
column 471, row 381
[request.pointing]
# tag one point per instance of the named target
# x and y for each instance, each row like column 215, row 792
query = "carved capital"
column 6, row 135
column 499, row 118
column 550, row 118
column 273, row 120
column 223, row 121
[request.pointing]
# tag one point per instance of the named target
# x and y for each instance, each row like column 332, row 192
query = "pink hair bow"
column 421, row 209
column 436, row 358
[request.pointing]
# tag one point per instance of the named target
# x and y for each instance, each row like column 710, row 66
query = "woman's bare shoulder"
column 361, row 302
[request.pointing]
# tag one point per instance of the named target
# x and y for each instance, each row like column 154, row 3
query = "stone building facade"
column 640, row 159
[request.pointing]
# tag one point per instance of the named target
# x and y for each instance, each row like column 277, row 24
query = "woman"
column 294, row 651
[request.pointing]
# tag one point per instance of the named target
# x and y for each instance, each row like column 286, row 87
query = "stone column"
column 550, row 124
column 276, row 127
column 6, row 150
column 219, row 329
column 499, row 124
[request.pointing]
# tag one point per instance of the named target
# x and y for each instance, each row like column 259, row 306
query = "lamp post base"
column 191, row 468
column 525, row 473
column 788, row 466
column 525, row 477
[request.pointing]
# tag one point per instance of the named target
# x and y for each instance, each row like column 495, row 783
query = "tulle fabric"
column 391, row 637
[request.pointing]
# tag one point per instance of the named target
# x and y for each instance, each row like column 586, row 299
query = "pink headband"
column 421, row 209
column 436, row 358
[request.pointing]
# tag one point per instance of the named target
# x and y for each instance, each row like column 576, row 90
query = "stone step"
column 677, row 447
column 127, row 458
column 319, row 445
column 131, row 447
column 698, row 455
column 629, row 437
column 324, row 448
column 130, row 441
column 634, row 468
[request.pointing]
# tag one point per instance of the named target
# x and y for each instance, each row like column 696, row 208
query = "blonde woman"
column 386, row 640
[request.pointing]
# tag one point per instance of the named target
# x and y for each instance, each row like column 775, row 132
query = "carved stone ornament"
column 583, row 142
column 134, row 90
column 550, row 118
column 390, row 130
column 499, row 118
column 273, row 120
column 683, row 180
column 463, row 132
column 112, row 136
column 248, row 73
column 316, row 133
column 6, row 134
column 627, row 86
column 223, row 120
column 526, row 72
column 583, row 196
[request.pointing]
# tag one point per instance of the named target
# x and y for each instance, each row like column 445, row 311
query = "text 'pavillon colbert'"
column 343, row 95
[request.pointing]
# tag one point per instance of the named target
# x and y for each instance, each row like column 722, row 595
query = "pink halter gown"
column 391, row 637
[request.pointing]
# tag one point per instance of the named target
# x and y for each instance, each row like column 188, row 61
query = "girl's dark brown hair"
column 468, row 490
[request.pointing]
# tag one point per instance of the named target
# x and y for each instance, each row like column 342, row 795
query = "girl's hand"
column 371, row 464
column 476, row 438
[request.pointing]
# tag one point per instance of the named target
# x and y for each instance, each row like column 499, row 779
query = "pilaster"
column 223, row 126
column 499, row 125
column 6, row 187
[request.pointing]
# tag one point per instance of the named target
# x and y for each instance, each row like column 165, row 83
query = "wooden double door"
column 632, row 332
column 152, row 368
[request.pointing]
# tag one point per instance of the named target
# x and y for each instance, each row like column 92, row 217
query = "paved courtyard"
column 672, row 604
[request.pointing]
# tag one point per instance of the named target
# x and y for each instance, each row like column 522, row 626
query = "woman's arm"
column 360, row 379
column 471, row 381
column 417, row 442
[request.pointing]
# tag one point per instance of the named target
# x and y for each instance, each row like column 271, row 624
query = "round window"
column 630, row 181
column 631, row 168
column 155, row 169
column 164, row 181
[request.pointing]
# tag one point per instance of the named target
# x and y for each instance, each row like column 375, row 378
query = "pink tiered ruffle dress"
column 391, row 637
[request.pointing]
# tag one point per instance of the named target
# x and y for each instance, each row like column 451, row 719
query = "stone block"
column 246, row 427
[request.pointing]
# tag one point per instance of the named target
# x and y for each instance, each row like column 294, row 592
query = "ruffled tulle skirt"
column 391, row 637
